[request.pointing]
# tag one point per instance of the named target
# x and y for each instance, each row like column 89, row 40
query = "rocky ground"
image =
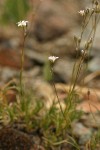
column 51, row 33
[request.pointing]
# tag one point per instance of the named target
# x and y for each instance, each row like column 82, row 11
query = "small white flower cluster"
column 53, row 58
column 82, row 12
column 87, row 11
column 22, row 23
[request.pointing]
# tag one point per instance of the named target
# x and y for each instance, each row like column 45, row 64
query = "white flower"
column 52, row 58
column 82, row 51
column 22, row 23
column 82, row 12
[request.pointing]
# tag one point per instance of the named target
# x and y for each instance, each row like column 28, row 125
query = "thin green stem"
column 57, row 94
column 22, row 61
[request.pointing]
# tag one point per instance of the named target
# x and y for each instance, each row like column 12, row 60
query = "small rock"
column 36, row 57
column 63, row 69
column 11, row 139
column 49, row 24
column 53, row 19
column 7, row 74
column 94, row 64
column 11, row 58
column 81, row 132
column 88, row 107
column 92, row 120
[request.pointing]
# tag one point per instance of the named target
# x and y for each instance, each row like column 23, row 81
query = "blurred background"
column 52, row 26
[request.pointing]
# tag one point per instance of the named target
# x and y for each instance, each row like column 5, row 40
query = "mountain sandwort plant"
column 54, row 125
column 23, row 24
